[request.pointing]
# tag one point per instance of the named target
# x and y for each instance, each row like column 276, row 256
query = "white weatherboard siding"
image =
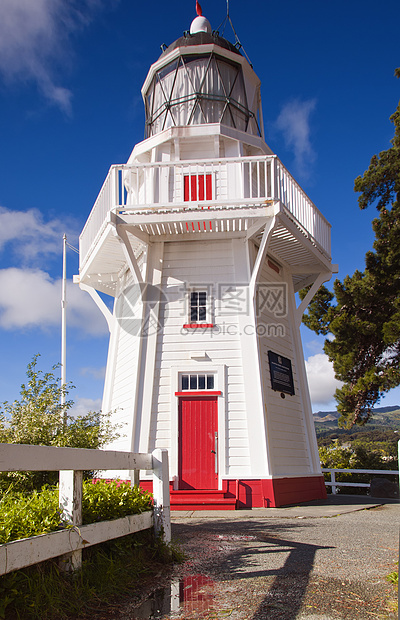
column 205, row 265
column 122, row 367
column 287, row 437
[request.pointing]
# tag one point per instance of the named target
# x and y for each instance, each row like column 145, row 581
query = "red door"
column 198, row 442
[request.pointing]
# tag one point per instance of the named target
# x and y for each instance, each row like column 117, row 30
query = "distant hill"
column 326, row 416
column 388, row 418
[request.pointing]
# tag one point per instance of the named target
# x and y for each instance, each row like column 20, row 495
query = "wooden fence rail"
column 71, row 462
column 334, row 483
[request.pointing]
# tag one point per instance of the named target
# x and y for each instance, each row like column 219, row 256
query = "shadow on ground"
column 264, row 564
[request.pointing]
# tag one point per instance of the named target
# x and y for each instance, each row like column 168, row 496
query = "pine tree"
column 365, row 320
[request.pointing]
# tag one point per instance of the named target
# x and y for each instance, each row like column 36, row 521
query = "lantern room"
column 199, row 79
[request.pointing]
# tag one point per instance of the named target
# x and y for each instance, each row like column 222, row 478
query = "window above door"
column 197, row 381
column 197, row 384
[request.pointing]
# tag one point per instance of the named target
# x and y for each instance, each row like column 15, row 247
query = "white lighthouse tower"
column 203, row 239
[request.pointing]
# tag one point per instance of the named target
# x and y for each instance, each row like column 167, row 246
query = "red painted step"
column 201, row 500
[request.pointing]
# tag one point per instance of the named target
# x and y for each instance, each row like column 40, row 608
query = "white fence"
column 334, row 483
column 71, row 462
column 228, row 182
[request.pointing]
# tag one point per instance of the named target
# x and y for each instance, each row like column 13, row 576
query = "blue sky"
column 70, row 106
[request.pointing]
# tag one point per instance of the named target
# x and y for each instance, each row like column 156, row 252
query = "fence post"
column 70, row 502
column 134, row 477
column 333, row 480
column 162, row 506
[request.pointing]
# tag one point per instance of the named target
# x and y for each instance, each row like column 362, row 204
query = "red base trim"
column 270, row 493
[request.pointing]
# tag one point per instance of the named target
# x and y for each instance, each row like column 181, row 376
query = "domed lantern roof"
column 200, row 23
column 202, row 78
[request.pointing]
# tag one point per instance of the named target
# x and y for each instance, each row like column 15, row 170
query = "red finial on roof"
column 199, row 10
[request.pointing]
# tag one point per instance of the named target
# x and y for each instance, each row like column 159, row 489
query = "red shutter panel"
column 193, row 187
column 186, row 188
column 208, row 187
column 201, row 186
column 197, row 187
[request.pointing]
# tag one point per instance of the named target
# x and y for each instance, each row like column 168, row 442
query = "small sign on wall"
column 280, row 369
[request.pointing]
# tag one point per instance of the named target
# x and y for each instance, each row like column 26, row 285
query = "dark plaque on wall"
column 280, row 369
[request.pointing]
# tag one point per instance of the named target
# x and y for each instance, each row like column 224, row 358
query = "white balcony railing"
column 222, row 183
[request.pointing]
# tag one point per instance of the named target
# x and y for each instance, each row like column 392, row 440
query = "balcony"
column 229, row 186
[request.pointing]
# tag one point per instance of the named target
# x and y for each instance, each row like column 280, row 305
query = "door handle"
column 216, row 453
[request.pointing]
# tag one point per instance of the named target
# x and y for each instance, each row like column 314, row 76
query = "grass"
column 392, row 604
column 393, row 578
column 109, row 572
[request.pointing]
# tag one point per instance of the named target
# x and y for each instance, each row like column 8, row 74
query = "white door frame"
column 220, row 385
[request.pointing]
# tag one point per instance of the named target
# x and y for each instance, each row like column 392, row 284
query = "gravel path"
column 307, row 565
column 287, row 569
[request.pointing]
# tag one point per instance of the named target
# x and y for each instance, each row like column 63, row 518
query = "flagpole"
column 64, row 321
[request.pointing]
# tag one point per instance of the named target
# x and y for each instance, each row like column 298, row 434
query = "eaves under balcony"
column 181, row 199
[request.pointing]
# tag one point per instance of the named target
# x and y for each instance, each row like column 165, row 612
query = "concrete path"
column 333, row 506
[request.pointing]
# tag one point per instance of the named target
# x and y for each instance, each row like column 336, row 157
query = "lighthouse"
column 203, row 238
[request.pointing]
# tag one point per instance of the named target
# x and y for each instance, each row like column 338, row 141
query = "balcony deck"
column 204, row 197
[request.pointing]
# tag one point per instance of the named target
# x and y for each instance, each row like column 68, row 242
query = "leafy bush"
column 102, row 500
column 39, row 418
column 24, row 515
column 356, row 456
column 335, row 457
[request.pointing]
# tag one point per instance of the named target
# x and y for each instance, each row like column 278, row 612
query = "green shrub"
column 24, row 515
column 39, row 418
column 102, row 500
column 355, row 456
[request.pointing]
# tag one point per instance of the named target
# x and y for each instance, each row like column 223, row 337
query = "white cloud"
column 32, row 299
column 321, row 380
column 30, row 236
column 34, row 39
column 294, row 123
column 82, row 406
